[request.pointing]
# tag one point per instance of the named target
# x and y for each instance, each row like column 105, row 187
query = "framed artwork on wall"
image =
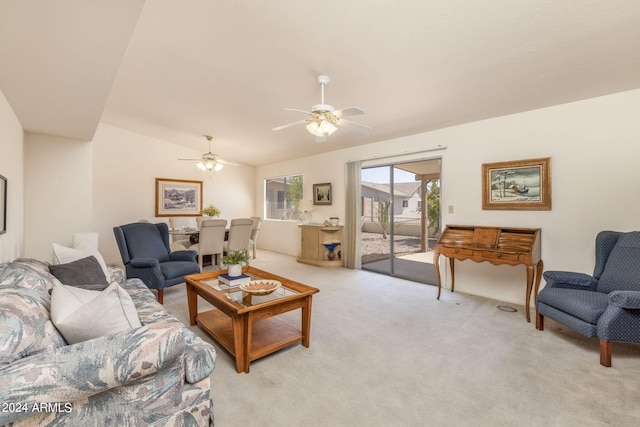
column 322, row 194
column 3, row 204
column 517, row 185
column 178, row 197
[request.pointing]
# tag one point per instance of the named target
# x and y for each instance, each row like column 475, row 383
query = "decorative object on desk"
column 178, row 197
column 234, row 260
column 305, row 211
column 3, row 204
column 322, row 194
column 211, row 210
column 260, row 287
column 517, row 185
column 334, row 220
column 331, row 255
column 234, row 281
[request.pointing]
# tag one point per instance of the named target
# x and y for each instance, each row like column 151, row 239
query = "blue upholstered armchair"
column 607, row 304
column 145, row 252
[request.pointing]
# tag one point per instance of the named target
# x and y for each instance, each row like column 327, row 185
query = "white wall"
column 11, row 167
column 594, row 146
column 126, row 165
column 74, row 186
column 57, row 191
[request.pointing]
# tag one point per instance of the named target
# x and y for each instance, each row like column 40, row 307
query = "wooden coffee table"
column 245, row 324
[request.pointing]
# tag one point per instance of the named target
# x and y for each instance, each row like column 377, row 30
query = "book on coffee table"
column 234, row 281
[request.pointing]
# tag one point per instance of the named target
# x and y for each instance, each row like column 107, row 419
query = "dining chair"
column 181, row 241
column 211, row 241
column 239, row 235
column 255, row 229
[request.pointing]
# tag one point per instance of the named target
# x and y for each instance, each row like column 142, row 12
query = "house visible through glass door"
column 401, row 219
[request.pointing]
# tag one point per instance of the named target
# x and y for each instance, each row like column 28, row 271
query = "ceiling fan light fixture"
column 321, row 127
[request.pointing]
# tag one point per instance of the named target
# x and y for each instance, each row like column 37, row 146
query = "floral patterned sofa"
column 154, row 375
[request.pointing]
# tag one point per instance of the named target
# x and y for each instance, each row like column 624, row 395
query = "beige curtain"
column 353, row 220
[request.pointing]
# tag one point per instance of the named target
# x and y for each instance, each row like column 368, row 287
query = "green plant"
column 211, row 210
column 235, row 257
column 383, row 216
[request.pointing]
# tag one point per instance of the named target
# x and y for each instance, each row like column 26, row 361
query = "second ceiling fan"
column 324, row 119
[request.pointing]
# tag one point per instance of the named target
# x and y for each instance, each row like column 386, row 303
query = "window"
column 282, row 197
column 405, row 203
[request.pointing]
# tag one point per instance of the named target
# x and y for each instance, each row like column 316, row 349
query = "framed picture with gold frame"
column 517, row 185
column 178, row 197
column 322, row 194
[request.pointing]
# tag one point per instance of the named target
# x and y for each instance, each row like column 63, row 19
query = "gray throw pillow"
column 84, row 273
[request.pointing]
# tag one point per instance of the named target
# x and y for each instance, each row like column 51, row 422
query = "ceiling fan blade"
column 355, row 126
column 352, row 111
column 299, row 122
column 226, row 162
column 191, row 160
column 299, row 111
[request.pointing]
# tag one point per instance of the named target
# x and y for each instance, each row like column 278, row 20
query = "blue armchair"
column 607, row 304
column 145, row 252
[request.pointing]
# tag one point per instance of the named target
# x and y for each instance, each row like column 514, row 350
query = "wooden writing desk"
column 497, row 245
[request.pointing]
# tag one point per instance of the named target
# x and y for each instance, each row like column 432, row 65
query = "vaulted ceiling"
column 177, row 70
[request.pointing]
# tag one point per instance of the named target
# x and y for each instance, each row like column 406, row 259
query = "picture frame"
column 3, row 204
column 322, row 194
column 517, row 185
column 178, row 197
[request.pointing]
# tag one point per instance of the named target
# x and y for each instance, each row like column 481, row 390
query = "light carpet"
column 385, row 352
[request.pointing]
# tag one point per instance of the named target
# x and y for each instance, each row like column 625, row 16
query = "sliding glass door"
column 401, row 218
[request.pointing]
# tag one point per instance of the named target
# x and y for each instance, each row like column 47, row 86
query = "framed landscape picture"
column 517, row 185
column 178, row 197
column 322, row 194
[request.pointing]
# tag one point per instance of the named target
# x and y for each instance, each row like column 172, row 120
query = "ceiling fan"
column 210, row 161
column 324, row 119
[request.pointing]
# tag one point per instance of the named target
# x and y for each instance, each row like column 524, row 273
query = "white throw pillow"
column 64, row 255
column 81, row 314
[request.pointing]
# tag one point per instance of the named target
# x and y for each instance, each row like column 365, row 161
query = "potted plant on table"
column 233, row 260
column 211, row 210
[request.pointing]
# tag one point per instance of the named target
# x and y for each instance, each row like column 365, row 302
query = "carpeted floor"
column 385, row 352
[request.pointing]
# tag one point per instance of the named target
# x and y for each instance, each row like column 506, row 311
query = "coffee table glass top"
column 246, row 299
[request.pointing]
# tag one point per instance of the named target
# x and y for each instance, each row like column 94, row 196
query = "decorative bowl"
column 260, row 287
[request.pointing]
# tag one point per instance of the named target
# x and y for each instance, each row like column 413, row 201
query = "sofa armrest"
column 183, row 256
column 570, row 280
column 117, row 273
column 81, row 370
column 144, row 263
column 199, row 357
column 625, row 299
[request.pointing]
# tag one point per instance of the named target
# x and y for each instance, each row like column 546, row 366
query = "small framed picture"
column 517, row 185
column 178, row 197
column 322, row 194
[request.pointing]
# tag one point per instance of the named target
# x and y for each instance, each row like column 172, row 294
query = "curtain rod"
column 426, row 150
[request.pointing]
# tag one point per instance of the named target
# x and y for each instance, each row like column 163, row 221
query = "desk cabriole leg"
column 453, row 277
column 529, row 287
column 436, row 265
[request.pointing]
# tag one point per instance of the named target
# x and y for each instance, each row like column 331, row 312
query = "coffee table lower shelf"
column 266, row 336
